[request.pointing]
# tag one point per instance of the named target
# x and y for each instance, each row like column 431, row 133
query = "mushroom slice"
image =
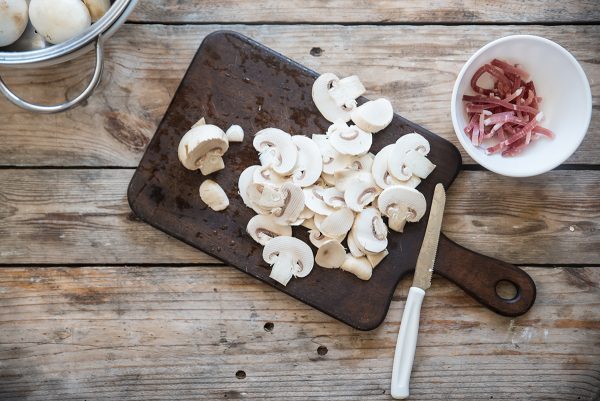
column 213, row 195
column 360, row 191
column 398, row 166
column 313, row 198
column 333, row 198
column 328, row 179
column 264, row 175
column 373, row 116
column 235, row 133
column 317, row 238
column 353, row 245
column 264, row 196
column 309, row 163
column 337, row 223
column 13, row 20
column 418, row 164
column 262, row 229
column 360, row 267
column 332, row 159
column 331, row 255
column 293, row 204
column 334, row 97
column 306, row 214
column 97, row 8
column 289, row 257
column 59, row 20
column 362, row 162
column 345, row 178
column 370, row 232
column 244, row 182
column 200, row 122
column 401, row 204
column 376, row 258
column 276, row 149
column 202, row 148
column 310, row 224
column 349, row 140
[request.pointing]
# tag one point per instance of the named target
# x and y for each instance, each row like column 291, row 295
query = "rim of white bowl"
column 481, row 157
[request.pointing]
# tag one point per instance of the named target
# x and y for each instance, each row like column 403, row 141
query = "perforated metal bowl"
column 31, row 50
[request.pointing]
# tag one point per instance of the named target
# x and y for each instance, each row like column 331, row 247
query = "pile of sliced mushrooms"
column 330, row 183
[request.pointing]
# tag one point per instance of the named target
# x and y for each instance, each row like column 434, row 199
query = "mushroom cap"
column 402, row 200
column 97, row 8
column 334, row 97
column 293, row 204
column 349, row 140
column 398, row 165
column 299, row 253
column 213, row 195
column 331, row 255
column 313, row 198
column 235, row 133
column 59, row 20
column 263, row 228
column 370, row 232
column 309, row 164
column 276, row 149
column 373, row 116
column 13, row 20
column 360, row 191
column 337, row 223
column 332, row 159
column 333, row 197
column 199, row 142
column 360, row 267
column 244, row 182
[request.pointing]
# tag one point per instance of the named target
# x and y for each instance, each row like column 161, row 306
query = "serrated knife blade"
column 409, row 326
column 426, row 258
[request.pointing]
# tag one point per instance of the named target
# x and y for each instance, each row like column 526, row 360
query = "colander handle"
column 68, row 104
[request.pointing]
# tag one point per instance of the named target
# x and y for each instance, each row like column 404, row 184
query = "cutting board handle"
column 479, row 276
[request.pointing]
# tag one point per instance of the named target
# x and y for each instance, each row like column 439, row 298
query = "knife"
column 409, row 326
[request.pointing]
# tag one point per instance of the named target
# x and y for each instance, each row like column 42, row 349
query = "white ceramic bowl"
column 566, row 103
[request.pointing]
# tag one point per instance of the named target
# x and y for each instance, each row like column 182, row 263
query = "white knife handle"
column 407, row 343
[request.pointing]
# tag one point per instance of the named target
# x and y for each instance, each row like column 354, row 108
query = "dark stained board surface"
column 234, row 80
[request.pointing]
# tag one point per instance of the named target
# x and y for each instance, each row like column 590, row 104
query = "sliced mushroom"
column 376, row 258
column 361, row 162
column 335, row 98
column 345, row 178
column 373, row 116
column 309, row 164
column 313, row 198
column 264, row 175
column 332, row 159
column 276, row 149
column 401, row 204
column 246, row 179
column 328, row 179
column 370, row 232
column 262, row 229
column 418, row 164
column 317, row 238
column 349, row 140
column 309, row 223
column 292, row 206
column 306, row 214
column 289, row 257
column 13, row 20
column 59, row 20
column 333, row 198
column 360, row 267
column 399, row 166
column 235, row 133
column 360, row 191
column 353, row 246
column 331, row 255
column 337, row 223
column 97, row 8
column 202, row 148
column 213, row 195
column 200, row 122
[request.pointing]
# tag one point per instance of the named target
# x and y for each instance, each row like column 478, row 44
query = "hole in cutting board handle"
column 507, row 290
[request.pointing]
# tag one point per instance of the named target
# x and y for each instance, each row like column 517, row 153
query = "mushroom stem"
column 281, row 271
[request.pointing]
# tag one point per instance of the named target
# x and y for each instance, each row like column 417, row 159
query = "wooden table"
column 95, row 304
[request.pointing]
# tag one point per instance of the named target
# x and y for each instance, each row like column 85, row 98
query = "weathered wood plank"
column 414, row 66
column 80, row 216
column 348, row 11
column 132, row 333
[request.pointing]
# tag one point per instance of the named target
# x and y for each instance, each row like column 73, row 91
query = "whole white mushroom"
column 59, row 20
column 13, row 20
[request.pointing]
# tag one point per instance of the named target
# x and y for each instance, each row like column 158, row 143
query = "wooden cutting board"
column 234, row 80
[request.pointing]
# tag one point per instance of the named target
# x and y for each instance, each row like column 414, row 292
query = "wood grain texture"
column 132, row 333
column 415, row 66
column 82, row 216
column 349, row 11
